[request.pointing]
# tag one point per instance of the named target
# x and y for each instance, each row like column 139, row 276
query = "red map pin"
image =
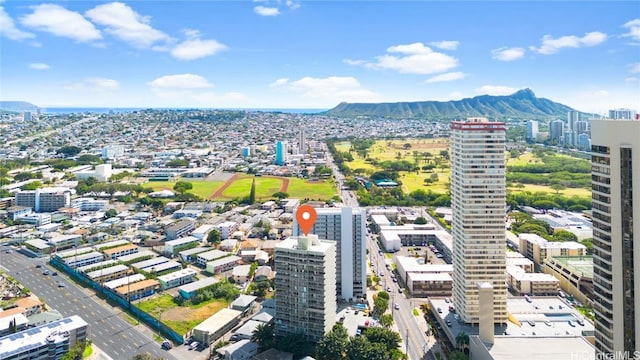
column 306, row 216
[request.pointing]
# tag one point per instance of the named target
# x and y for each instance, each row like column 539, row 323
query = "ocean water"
column 99, row 110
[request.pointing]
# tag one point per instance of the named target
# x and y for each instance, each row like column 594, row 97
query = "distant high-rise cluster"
column 622, row 114
column 478, row 199
column 615, row 163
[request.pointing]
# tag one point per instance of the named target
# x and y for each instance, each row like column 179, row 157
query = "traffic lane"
column 117, row 338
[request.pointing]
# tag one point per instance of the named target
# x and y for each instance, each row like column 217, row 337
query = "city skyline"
column 311, row 54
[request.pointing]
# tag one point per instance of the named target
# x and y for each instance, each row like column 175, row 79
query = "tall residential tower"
column 305, row 278
column 615, row 168
column 347, row 226
column 478, row 200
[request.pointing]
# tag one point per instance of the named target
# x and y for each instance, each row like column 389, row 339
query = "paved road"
column 117, row 338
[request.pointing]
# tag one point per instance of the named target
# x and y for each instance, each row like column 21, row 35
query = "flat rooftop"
column 540, row 348
column 579, row 264
column 550, row 316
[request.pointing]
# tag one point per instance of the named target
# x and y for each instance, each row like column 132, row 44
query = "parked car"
column 46, row 272
column 61, row 284
column 54, row 274
column 38, row 266
column 167, row 345
column 194, row 345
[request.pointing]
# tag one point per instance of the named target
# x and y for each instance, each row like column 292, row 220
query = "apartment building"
column 305, row 278
column 179, row 228
column 45, row 199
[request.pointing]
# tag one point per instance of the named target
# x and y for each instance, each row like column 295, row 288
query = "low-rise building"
column 202, row 231
column 110, row 273
column 239, row 350
column 575, row 274
column 430, row 284
column 179, row 228
column 189, row 290
column 223, row 264
column 531, row 283
column 191, row 255
column 210, row 330
column 227, row 228
column 150, row 262
column 240, row 274
column 39, row 246
column 138, row 256
column 113, row 284
column 163, row 268
column 118, row 251
column 138, row 290
column 229, row 245
column 203, row 258
column 173, row 247
column 61, row 242
column 244, row 303
column 539, row 249
column 177, row 278
column 56, row 338
column 84, row 259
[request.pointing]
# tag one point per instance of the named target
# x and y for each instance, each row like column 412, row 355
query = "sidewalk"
column 98, row 354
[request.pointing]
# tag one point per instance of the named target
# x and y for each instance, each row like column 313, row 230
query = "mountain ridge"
column 521, row 104
column 17, row 106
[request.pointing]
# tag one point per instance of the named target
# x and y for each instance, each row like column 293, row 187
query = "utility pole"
column 407, row 343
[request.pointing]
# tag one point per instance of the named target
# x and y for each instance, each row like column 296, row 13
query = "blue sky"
column 315, row 54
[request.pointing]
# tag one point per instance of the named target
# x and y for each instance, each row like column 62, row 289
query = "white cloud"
column 353, row 62
column 39, row 66
column 551, row 46
column 634, row 68
column 507, row 54
column 634, row 29
column 495, row 90
column 446, row 44
column 450, row 76
column 292, row 4
column 333, row 89
column 631, row 79
column 61, row 22
column 195, row 49
column 9, row 30
column 414, row 59
column 180, row 81
column 95, row 84
column 124, row 23
column 266, row 11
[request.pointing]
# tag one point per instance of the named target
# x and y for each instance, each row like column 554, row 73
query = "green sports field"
column 201, row 188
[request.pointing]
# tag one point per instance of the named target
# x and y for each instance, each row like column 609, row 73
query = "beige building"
column 615, row 168
column 575, row 274
column 538, row 249
column 478, row 200
column 530, row 283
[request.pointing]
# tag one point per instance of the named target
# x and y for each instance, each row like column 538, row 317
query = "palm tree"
column 263, row 336
column 462, row 341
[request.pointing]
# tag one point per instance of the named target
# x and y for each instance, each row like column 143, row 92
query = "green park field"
column 424, row 151
column 239, row 186
column 202, row 188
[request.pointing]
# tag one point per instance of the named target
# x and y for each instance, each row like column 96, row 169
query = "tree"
column 564, row 235
column 214, row 237
column 280, row 195
column 458, row 355
column 420, row 220
column 263, row 335
column 333, row 345
column 558, row 188
column 389, row 338
column 462, row 341
column 110, row 213
column 386, row 320
column 359, row 348
column 295, row 344
column 69, row 150
column 380, row 305
column 182, row 186
column 252, row 193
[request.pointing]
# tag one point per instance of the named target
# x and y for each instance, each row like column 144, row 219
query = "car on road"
column 54, row 274
column 388, row 289
column 397, row 306
column 395, row 280
column 439, row 310
column 166, row 345
column 38, row 266
column 449, row 323
column 46, row 272
column 61, row 284
column 194, row 345
column 400, row 290
column 8, row 251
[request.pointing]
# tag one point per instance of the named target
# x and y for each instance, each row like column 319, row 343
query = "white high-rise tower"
column 615, row 168
column 347, row 226
column 478, row 199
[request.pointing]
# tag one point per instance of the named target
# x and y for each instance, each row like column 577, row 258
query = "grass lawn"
column 527, row 158
column 181, row 318
column 316, row 190
column 265, row 187
column 579, row 192
column 201, row 188
column 412, row 181
column 88, row 350
column 128, row 318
